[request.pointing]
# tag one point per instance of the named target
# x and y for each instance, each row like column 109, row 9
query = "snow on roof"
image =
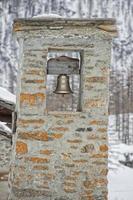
column 47, row 16
column 4, row 128
column 7, row 96
column 68, row 54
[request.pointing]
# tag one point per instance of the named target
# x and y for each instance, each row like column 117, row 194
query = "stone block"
column 21, row 147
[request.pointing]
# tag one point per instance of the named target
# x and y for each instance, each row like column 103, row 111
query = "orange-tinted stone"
column 65, row 156
column 103, row 148
column 102, row 130
column 40, row 167
column 71, row 184
column 88, row 184
column 76, row 173
column 95, row 182
column 46, row 151
column 104, row 172
column 101, row 182
column 42, row 87
column 21, row 147
column 55, row 136
column 34, row 81
column 34, row 72
column 31, row 99
column 38, row 135
column 60, row 129
column 92, row 136
column 96, row 79
column 69, row 121
column 37, row 159
column 48, row 176
column 99, row 156
column 89, row 192
column 30, row 121
column 36, row 123
column 95, row 103
column 69, row 189
column 98, row 122
column 87, row 196
column 43, row 176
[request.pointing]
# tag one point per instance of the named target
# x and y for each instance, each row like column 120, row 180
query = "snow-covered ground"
column 120, row 177
column 121, row 184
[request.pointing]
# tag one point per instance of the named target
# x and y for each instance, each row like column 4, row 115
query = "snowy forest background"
column 121, row 72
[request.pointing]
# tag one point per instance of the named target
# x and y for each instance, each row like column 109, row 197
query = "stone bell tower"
column 60, row 147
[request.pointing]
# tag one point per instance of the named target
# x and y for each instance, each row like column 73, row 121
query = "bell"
column 63, row 86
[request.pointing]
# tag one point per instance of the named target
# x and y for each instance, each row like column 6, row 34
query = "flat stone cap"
column 108, row 25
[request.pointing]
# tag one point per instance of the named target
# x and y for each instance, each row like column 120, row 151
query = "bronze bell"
column 63, row 86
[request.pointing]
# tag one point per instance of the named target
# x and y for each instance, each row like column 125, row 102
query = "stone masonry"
column 61, row 155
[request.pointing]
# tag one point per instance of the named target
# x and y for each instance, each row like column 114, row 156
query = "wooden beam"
column 5, row 104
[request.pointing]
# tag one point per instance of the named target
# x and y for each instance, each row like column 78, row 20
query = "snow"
column 125, row 148
column 120, row 177
column 7, row 96
column 121, row 184
column 4, row 128
column 70, row 54
column 47, row 16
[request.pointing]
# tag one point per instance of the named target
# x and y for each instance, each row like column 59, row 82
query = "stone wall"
column 5, row 150
column 5, row 153
column 61, row 155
